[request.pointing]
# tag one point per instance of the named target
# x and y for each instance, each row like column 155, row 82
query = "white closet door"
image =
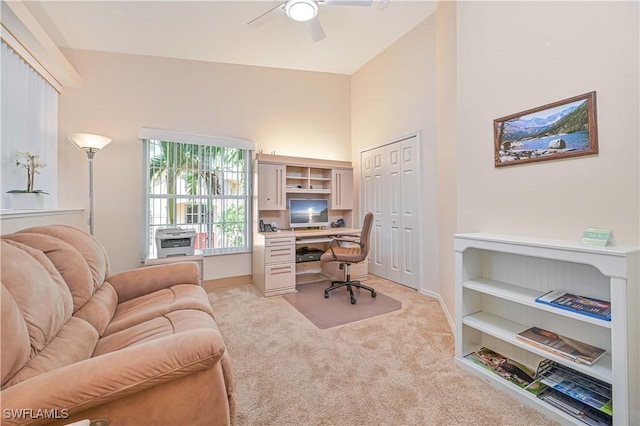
column 389, row 182
column 378, row 240
column 366, row 194
column 391, row 217
column 409, row 216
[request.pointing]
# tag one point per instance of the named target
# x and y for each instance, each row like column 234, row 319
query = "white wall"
column 513, row 56
column 446, row 71
column 295, row 113
column 394, row 95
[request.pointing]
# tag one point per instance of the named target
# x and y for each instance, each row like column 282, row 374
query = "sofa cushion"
column 158, row 303
column 14, row 336
column 92, row 251
column 99, row 310
column 68, row 261
column 40, row 294
column 172, row 323
column 75, row 342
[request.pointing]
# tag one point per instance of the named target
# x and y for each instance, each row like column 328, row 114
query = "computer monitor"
column 308, row 213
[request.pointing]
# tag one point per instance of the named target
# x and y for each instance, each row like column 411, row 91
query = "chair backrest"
column 365, row 234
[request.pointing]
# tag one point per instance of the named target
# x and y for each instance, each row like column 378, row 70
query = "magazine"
column 583, row 305
column 507, row 368
column 565, row 347
column 575, row 408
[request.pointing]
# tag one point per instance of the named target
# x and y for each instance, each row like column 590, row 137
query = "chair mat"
column 337, row 309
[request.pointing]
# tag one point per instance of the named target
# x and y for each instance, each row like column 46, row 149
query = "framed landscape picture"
column 561, row 129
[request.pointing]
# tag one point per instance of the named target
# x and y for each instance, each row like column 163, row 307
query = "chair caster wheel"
column 374, row 294
column 326, row 295
column 353, row 300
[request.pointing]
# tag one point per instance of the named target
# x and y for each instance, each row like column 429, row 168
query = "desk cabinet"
column 271, row 187
column 342, row 189
column 274, row 264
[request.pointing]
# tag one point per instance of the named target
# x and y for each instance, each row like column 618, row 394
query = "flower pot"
column 27, row 201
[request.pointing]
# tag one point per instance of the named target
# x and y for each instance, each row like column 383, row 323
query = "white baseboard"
column 443, row 306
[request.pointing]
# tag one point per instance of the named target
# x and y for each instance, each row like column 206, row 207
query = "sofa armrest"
column 138, row 282
column 105, row 378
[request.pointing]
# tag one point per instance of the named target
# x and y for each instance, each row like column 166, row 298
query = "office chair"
column 348, row 256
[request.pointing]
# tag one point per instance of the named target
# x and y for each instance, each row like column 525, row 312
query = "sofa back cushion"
column 49, row 274
column 78, row 256
column 38, row 304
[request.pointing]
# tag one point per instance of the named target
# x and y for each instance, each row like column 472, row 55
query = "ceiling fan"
column 305, row 11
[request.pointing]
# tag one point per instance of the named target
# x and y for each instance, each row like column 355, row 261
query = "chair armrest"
column 102, row 379
column 138, row 282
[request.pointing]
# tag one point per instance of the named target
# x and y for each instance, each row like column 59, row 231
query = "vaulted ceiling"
column 217, row 31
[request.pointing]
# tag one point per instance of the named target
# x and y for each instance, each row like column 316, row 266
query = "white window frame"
column 151, row 134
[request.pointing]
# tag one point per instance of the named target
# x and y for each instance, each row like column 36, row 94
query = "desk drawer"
column 280, row 254
column 279, row 276
column 279, row 241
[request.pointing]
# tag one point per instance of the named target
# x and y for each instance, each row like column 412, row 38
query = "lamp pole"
column 90, row 153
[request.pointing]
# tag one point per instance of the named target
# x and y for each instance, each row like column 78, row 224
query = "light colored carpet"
column 392, row 369
column 337, row 309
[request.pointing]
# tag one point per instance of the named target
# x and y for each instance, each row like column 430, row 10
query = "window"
column 29, row 116
column 199, row 186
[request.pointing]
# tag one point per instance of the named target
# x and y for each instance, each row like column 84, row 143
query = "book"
column 506, row 368
column 575, row 408
column 562, row 346
column 578, row 394
column 583, row 305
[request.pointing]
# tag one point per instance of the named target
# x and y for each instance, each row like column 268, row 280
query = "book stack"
column 562, row 346
column 583, row 397
column 600, row 309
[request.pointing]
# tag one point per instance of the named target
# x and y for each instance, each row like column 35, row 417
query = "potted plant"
column 28, row 199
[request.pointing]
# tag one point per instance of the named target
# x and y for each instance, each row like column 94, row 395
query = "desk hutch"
column 277, row 179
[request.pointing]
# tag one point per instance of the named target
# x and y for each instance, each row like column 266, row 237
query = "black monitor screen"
column 308, row 213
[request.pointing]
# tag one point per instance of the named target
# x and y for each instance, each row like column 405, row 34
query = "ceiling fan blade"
column 317, row 33
column 267, row 16
column 346, row 2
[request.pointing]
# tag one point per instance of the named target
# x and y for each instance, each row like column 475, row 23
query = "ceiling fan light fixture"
column 301, row 10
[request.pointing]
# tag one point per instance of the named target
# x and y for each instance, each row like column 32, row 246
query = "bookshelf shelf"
column 498, row 279
column 526, row 297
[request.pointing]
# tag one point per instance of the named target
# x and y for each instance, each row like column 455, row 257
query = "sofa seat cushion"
column 157, row 304
column 175, row 322
column 75, row 342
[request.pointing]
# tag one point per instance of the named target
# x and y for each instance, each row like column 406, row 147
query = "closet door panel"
column 392, row 218
column 380, row 239
column 409, row 216
column 366, row 195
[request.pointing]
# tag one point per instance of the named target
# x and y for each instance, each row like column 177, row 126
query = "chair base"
column 349, row 284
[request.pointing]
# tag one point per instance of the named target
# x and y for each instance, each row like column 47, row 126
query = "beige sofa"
column 137, row 348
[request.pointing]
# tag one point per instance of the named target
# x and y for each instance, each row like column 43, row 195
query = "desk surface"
column 312, row 233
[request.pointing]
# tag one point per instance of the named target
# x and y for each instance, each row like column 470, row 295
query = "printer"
column 175, row 242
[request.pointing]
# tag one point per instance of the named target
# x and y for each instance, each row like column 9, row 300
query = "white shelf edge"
column 307, row 191
column 521, row 394
column 506, row 331
column 526, row 297
column 542, row 243
column 16, row 214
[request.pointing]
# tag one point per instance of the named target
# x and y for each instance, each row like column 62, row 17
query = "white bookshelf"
column 498, row 279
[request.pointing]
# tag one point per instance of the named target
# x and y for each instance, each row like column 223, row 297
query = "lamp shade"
column 88, row 141
column 301, row 10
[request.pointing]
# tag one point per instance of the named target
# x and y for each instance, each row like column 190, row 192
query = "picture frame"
column 561, row 129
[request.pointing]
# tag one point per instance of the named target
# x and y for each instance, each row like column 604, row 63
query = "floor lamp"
column 90, row 144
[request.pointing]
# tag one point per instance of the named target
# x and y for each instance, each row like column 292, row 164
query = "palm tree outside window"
column 201, row 187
